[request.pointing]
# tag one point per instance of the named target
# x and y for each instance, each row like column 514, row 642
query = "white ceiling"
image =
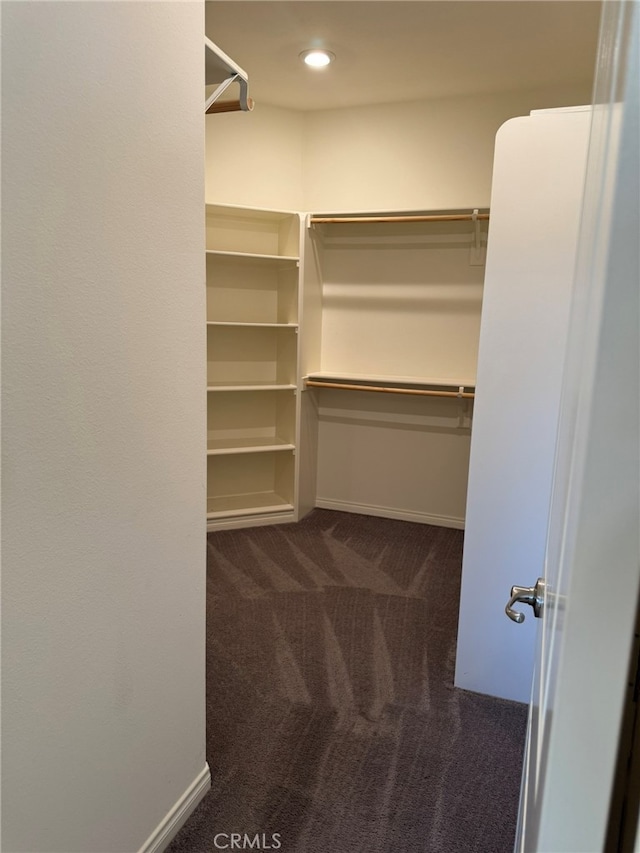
column 395, row 50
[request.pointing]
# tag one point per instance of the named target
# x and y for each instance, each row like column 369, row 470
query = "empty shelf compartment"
column 247, row 484
column 246, row 355
column 251, row 290
column 262, row 232
column 242, row 422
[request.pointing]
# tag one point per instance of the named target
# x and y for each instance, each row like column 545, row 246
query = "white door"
column 592, row 558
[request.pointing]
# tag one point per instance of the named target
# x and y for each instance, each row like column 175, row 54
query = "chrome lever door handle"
column 533, row 595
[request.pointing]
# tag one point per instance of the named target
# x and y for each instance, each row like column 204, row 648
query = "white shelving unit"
column 399, row 295
column 392, row 304
column 253, row 270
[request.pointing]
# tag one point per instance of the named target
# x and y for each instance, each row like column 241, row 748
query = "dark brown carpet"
column 332, row 715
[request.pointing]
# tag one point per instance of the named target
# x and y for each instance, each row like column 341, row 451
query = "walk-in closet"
column 348, row 239
column 378, row 263
column 388, row 304
column 320, row 424
column 303, row 307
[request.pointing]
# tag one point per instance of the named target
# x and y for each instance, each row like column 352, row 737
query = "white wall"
column 420, row 154
column 255, row 158
column 401, row 300
column 423, row 154
column 103, row 422
column 395, row 456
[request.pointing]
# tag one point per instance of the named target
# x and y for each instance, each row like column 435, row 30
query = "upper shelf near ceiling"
column 221, row 71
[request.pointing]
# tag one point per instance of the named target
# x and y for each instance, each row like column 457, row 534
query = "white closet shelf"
column 251, row 325
column 368, row 218
column 256, row 503
column 255, row 256
column 388, row 385
column 218, row 447
column 385, row 379
column 240, row 211
column 255, row 386
column 218, row 66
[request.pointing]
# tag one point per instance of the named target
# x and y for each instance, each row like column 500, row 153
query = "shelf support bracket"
column 477, row 254
column 244, row 103
column 222, row 70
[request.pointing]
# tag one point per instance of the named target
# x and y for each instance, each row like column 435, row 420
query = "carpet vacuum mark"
column 333, row 723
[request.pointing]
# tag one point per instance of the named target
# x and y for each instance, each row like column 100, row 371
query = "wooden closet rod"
column 422, row 392
column 438, row 217
column 228, row 106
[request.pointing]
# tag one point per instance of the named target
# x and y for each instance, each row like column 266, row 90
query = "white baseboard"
column 250, row 520
column 387, row 512
column 176, row 817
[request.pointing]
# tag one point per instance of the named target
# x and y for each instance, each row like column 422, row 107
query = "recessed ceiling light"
column 317, row 58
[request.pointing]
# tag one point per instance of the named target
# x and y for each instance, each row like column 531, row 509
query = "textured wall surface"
column 103, row 421
column 255, row 158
